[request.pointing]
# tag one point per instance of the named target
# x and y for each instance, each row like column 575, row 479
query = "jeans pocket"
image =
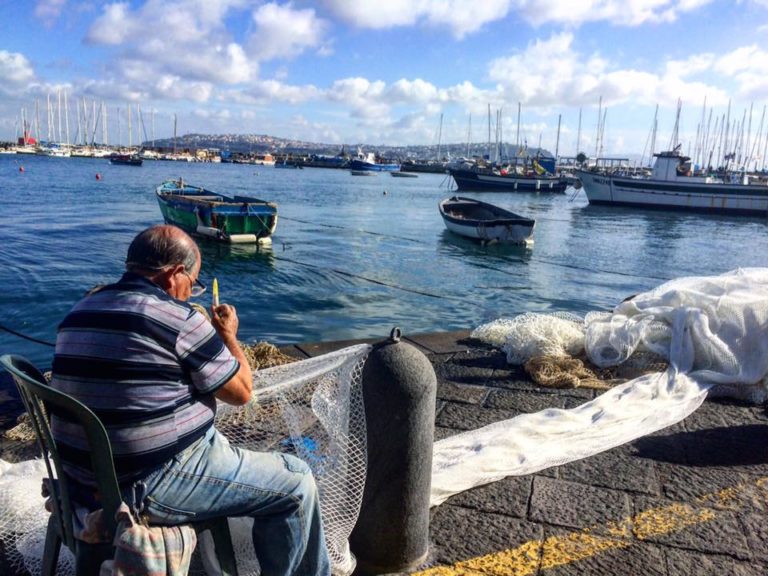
column 160, row 513
column 294, row 464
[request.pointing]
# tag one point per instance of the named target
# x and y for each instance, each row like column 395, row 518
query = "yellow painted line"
column 534, row 555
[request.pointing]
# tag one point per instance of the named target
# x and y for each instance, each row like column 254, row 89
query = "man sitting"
column 151, row 367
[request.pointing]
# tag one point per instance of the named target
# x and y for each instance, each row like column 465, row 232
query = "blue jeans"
column 213, row 479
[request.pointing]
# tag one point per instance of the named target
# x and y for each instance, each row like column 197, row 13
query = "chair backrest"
column 41, row 401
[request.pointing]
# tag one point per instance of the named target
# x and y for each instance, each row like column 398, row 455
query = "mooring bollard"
column 399, row 389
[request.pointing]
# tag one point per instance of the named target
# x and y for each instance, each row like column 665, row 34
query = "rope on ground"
column 265, row 355
column 569, row 372
column 563, row 372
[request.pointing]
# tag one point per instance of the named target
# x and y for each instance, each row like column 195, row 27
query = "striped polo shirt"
column 147, row 365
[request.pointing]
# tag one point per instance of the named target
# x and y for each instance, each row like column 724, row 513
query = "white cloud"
column 362, row 96
column 15, row 70
column 49, row 10
column 748, row 66
column 690, row 66
column 463, row 18
column 412, row 91
column 457, row 15
column 617, row 12
column 188, row 39
column 284, row 32
column 746, row 58
column 275, row 91
column 568, row 78
column 221, row 115
column 302, row 129
column 113, row 27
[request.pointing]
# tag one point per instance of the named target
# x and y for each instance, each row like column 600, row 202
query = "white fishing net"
column 312, row 408
column 712, row 331
column 529, row 335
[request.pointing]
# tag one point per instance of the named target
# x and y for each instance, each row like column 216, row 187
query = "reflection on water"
column 231, row 256
column 347, row 261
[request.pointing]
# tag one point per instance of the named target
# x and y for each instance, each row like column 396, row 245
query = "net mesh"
column 311, row 408
column 691, row 336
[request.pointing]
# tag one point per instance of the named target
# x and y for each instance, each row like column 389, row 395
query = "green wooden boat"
column 232, row 219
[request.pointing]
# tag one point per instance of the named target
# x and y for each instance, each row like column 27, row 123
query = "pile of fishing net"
column 311, row 408
column 688, row 338
column 552, row 350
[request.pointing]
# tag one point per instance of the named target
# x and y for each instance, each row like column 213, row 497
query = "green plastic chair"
column 38, row 399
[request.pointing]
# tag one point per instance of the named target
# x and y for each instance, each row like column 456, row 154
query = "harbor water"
column 351, row 257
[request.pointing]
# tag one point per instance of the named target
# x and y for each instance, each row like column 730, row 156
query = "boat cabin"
column 673, row 166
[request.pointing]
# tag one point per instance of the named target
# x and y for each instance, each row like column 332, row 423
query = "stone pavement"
column 690, row 499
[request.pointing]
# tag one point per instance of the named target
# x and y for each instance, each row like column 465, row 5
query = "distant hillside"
column 247, row 143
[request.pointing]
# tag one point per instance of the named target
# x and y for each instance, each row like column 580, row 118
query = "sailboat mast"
column 578, row 134
column 37, row 121
column 58, row 96
column 489, row 132
column 602, row 130
column 653, row 134
column 599, row 119
column 497, row 148
column 469, row 134
column 49, row 118
column 439, row 136
column 66, row 116
column 755, row 148
column 130, row 132
column 765, row 148
column 95, row 122
column 557, row 142
column 675, row 131
column 517, row 136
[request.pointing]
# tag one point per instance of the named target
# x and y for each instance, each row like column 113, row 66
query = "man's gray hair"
column 159, row 247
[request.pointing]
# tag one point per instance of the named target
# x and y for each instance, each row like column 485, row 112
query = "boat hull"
column 125, row 160
column 363, row 165
column 697, row 195
column 479, row 181
column 234, row 220
column 485, row 222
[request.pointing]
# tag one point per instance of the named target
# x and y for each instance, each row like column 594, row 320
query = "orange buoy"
column 98, row 176
column 21, row 168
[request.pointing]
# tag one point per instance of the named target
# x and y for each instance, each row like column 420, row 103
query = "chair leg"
column 222, row 541
column 90, row 557
column 52, row 547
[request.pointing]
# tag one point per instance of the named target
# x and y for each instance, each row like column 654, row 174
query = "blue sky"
column 383, row 72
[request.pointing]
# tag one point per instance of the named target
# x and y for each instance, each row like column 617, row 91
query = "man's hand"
column 238, row 389
column 225, row 321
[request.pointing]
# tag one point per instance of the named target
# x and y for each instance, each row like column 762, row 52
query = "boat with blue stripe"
column 673, row 185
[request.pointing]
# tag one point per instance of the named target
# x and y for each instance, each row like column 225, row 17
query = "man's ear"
column 167, row 279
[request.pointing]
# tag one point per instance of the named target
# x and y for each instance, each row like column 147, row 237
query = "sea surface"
column 352, row 256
